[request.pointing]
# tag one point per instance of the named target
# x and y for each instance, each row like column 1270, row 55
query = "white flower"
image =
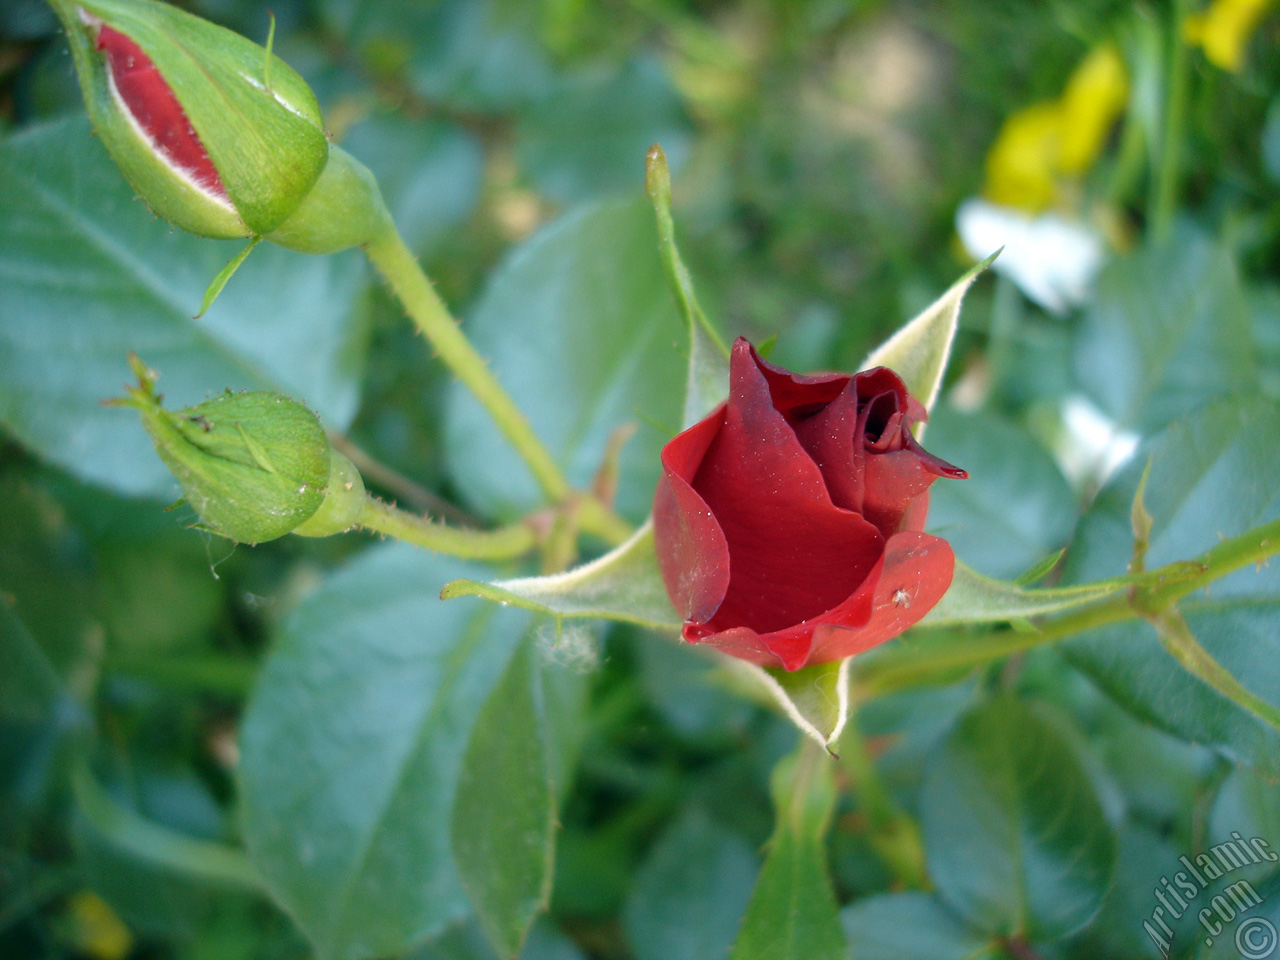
column 1053, row 259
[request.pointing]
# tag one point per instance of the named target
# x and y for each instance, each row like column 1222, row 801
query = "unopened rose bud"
column 216, row 134
column 254, row 466
column 789, row 523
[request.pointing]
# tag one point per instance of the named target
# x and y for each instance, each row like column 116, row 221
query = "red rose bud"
column 216, row 134
column 788, row 522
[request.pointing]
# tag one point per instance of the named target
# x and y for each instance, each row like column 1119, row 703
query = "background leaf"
column 351, row 750
column 1170, row 330
column 1210, row 477
column 1014, row 509
column 580, row 328
column 1014, row 835
column 690, row 892
column 910, row 926
column 87, row 274
column 589, row 136
column 504, row 816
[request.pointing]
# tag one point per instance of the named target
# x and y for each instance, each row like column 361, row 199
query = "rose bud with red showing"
column 789, row 522
column 216, row 134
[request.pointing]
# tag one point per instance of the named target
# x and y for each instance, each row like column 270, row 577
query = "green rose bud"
column 218, row 136
column 254, row 466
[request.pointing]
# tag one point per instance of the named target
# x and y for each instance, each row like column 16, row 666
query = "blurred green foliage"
column 247, row 698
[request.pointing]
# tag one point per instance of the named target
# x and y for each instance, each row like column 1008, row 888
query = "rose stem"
column 504, row 543
column 901, row 669
column 388, row 252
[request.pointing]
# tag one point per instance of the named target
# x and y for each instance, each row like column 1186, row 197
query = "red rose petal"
column 741, row 642
column 151, row 101
column 831, row 438
column 692, row 553
column 793, row 554
column 917, row 572
column 794, row 394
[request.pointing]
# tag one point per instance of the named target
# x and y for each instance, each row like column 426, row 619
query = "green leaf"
column 919, row 350
column 580, row 328
column 504, row 817
column 1252, row 930
column 793, row 914
column 89, row 275
column 974, row 598
column 690, row 892
column 466, row 55
column 1169, row 328
column 1014, row 509
column 910, row 926
column 588, row 137
column 623, row 585
column 1014, row 835
column 679, row 681
column 351, row 749
column 1248, row 804
column 1211, row 476
column 467, row 942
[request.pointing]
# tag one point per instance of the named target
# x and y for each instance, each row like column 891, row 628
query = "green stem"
column 504, row 543
column 1183, row 646
column 892, row 833
column 1168, row 173
column 940, row 652
column 398, row 265
column 155, row 843
column 398, row 485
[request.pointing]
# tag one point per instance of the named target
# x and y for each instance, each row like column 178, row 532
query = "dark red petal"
column 692, row 553
column 935, row 464
column 892, row 482
column 917, row 572
column 793, row 554
column 831, row 437
column 741, row 642
column 792, row 647
column 151, row 101
column 795, row 394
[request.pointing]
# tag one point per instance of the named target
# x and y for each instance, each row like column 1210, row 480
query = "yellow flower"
column 1022, row 163
column 1224, row 30
column 1046, row 143
column 96, row 929
column 1095, row 96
